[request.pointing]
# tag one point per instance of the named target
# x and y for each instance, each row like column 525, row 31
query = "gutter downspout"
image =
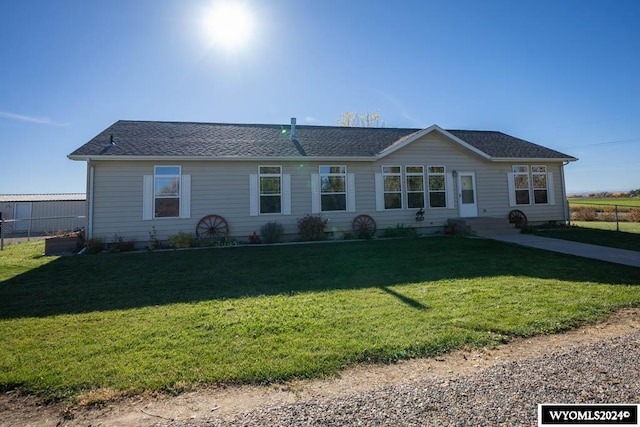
column 565, row 203
column 90, row 194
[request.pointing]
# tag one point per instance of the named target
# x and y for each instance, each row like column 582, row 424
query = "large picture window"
column 333, row 188
column 437, row 186
column 392, row 187
column 166, row 191
column 414, row 176
column 270, row 178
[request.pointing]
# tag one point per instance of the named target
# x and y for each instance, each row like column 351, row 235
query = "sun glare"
column 228, row 24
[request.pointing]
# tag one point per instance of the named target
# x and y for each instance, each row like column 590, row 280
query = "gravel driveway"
column 505, row 394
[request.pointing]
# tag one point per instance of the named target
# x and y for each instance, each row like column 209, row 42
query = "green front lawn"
column 168, row 321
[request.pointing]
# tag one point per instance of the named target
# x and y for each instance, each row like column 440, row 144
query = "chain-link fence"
column 604, row 212
column 35, row 227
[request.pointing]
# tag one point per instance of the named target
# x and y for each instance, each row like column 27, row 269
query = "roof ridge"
column 177, row 122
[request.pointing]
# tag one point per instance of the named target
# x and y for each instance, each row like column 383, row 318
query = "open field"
column 116, row 324
column 620, row 201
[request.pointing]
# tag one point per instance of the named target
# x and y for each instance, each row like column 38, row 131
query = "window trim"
column 515, row 174
column 259, row 189
column 345, row 176
column 443, row 174
column 408, row 174
column 533, row 183
column 155, row 196
column 400, row 191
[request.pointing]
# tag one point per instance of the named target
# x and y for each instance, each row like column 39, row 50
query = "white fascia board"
column 223, row 159
column 424, row 132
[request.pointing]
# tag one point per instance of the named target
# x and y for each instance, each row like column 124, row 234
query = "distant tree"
column 634, row 193
column 364, row 120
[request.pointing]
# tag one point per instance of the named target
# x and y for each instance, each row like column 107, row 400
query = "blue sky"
column 564, row 74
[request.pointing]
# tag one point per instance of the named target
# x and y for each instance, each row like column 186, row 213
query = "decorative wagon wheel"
column 517, row 217
column 212, row 227
column 364, row 226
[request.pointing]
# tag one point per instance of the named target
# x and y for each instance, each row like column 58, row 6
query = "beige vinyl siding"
column 223, row 188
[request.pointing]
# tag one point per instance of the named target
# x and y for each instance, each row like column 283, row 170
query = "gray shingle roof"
column 222, row 140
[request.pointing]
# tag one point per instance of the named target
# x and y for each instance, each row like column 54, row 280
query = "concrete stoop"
column 483, row 227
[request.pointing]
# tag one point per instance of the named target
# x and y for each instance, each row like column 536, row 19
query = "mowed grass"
column 598, row 233
column 169, row 321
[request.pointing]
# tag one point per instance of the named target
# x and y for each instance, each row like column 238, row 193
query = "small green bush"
column 311, row 227
column 365, row 233
column 183, row 240
column 399, row 231
column 271, row 232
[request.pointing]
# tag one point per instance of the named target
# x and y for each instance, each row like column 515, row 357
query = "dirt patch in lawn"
column 203, row 403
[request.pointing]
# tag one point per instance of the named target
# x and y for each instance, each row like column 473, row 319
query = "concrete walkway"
column 619, row 256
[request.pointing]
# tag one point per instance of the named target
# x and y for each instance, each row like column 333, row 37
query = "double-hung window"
column 270, row 178
column 521, row 184
column 269, row 191
column 414, row 176
column 333, row 188
column 527, row 181
column 437, row 186
column 539, row 180
column 392, row 187
column 166, row 191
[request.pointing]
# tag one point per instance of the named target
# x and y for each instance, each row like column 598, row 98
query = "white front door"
column 22, row 212
column 467, row 200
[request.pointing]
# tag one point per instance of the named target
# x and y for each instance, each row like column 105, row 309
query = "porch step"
column 483, row 227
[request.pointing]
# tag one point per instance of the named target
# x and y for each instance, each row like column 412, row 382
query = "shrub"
column 583, row 213
column 94, row 245
column 154, row 242
column 121, row 245
column 609, row 213
column 634, row 215
column 184, row 240
column 254, row 239
column 271, row 232
column 311, row 227
column 399, row 231
column 365, row 233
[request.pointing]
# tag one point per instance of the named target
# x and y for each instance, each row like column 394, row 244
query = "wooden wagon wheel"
column 212, row 227
column 364, row 225
column 517, row 217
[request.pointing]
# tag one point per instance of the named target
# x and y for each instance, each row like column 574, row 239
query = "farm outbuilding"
column 37, row 214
